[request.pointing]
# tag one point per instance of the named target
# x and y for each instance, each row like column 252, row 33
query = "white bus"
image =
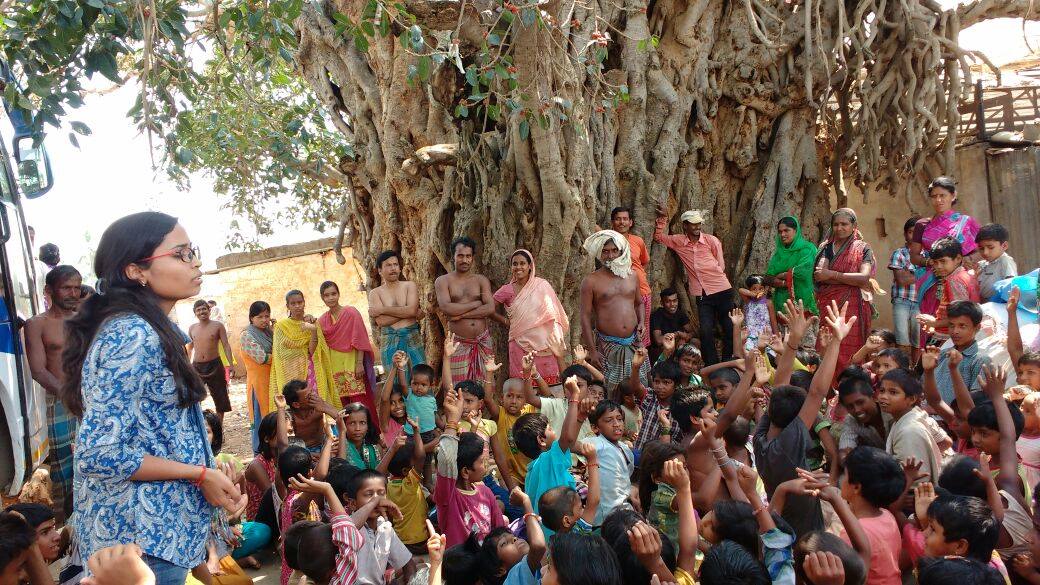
column 23, row 406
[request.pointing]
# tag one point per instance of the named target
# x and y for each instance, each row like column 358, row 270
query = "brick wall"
column 267, row 275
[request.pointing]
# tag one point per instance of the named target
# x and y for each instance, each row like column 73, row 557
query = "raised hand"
column 519, row 498
column 777, row 343
column 994, row 379
column 490, row 366
column 984, row 470
column 641, row 356
column 557, row 345
column 825, row 336
column 930, row 358
column 737, row 317
column 412, row 422
column 747, row 478
column 527, row 362
column 450, row 345
column 646, row 543
column 924, row 495
column 302, row 483
column 435, row 545
column 794, row 314
column 838, row 322
column 400, row 441
column 874, row 343
column 279, row 402
column 119, row 565
column 664, row 417
column 955, row 358
column 452, row 406
column 675, row 474
column 912, row 470
column 570, row 388
column 400, row 360
column 824, row 568
column 926, row 320
column 668, row 343
column 580, row 354
column 1014, row 296
column 584, row 449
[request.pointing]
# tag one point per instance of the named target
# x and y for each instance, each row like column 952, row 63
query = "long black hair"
column 125, row 242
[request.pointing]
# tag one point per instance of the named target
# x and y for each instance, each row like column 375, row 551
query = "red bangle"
column 202, row 476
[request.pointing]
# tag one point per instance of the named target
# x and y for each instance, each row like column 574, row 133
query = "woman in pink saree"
column 535, row 316
column 351, row 359
column 946, row 223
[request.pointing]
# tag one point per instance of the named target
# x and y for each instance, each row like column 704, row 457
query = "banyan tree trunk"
column 747, row 109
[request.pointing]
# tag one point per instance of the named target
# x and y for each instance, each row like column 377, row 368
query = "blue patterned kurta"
column 130, row 410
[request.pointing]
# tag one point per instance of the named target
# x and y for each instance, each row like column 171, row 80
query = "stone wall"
column 266, row 275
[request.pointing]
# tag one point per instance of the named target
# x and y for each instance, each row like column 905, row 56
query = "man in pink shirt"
column 701, row 256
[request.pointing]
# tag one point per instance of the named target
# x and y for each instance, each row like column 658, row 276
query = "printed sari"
column 847, row 259
column 290, row 361
column 351, row 359
column 951, row 224
column 257, row 345
column 535, row 316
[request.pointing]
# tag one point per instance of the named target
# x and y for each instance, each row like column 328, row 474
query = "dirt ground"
column 237, row 439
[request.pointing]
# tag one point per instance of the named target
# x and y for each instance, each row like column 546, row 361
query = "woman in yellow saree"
column 300, row 352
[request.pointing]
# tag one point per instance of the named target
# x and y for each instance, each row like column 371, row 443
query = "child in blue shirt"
column 550, row 458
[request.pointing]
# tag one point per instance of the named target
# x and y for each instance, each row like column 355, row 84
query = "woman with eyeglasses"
column 143, row 466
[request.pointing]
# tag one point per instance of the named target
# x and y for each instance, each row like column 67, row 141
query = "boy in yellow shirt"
column 403, row 464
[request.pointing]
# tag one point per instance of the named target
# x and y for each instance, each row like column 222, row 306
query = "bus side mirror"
column 34, row 168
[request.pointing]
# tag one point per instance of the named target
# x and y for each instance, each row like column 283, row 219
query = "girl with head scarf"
column 257, row 344
column 843, row 270
column 535, row 317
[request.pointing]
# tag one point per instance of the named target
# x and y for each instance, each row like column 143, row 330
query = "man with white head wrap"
column 701, row 256
column 612, row 310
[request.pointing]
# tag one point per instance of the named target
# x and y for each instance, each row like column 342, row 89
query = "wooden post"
column 980, row 112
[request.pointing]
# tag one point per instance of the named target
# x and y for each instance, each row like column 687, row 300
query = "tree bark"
column 749, row 110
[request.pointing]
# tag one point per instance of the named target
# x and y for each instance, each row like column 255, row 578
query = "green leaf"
column 73, row 139
column 461, row 111
column 384, row 24
column 471, row 77
column 361, row 42
column 366, row 26
column 80, row 128
column 416, row 37
column 424, row 68
column 641, row 45
column 96, row 3
column 184, row 155
column 525, row 129
column 493, row 111
column 493, row 39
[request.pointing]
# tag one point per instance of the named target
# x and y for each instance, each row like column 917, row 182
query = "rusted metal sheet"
column 1013, row 175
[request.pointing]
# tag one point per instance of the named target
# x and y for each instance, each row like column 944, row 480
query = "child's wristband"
column 533, row 515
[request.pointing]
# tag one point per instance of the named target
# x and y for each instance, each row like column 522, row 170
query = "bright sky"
column 111, row 174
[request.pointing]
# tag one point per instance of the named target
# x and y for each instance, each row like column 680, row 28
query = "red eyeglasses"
column 185, row 253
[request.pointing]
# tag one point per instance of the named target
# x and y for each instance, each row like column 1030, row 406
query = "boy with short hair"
column 908, row 436
column 555, row 409
column 17, row 552
column 996, row 263
column 550, row 458
column 514, row 405
column 665, row 377
column 782, row 439
column 41, row 519
column 308, row 412
column 904, row 292
column 874, row 480
column 403, row 463
column 964, row 319
column 952, row 283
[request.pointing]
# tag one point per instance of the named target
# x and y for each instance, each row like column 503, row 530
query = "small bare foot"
column 249, row 563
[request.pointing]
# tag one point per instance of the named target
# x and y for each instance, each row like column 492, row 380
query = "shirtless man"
column 394, row 310
column 205, row 337
column 465, row 299
column 612, row 309
column 44, row 342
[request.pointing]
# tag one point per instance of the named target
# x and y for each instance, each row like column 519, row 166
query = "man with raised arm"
column 612, row 310
column 701, row 257
column 394, row 309
column 44, row 342
column 465, row 299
